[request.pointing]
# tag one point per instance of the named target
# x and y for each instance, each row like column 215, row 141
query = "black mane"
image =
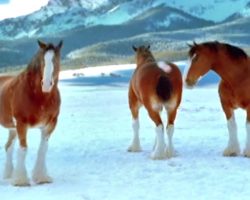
column 232, row 51
column 50, row 46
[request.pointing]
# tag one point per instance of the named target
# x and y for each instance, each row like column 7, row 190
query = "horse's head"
column 201, row 61
column 49, row 56
column 143, row 54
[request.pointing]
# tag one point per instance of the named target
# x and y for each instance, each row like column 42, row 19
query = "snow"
column 216, row 10
column 88, row 156
column 171, row 18
column 117, row 15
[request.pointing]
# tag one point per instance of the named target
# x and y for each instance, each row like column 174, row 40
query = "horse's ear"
column 148, row 47
column 189, row 45
column 60, row 44
column 42, row 44
column 194, row 44
column 135, row 49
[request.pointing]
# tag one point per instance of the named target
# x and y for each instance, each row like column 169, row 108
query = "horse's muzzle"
column 47, row 86
column 190, row 83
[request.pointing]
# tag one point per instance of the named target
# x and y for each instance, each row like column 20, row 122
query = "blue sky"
column 14, row 8
column 4, row 1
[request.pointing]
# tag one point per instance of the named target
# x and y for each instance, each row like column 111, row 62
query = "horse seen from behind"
column 232, row 64
column 154, row 85
column 31, row 99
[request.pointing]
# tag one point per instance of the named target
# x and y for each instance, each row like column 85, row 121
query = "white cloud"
column 20, row 7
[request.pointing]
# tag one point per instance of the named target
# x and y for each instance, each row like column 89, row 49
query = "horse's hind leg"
column 170, row 131
column 159, row 148
column 8, row 169
column 134, row 108
column 40, row 174
column 247, row 148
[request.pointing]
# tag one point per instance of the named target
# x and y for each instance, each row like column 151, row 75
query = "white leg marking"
column 8, row 168
column 40, row 170
column 170, row 149
column 159, row 150
column 19, row 177
column 247, row 148
column 135, row 146
column 233, row 147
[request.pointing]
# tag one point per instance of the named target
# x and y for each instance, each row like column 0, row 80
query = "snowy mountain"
column 64, row 15
column 106, row 24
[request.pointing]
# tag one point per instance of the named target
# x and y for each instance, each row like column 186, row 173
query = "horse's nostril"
column 52, row 82
column 190, row 83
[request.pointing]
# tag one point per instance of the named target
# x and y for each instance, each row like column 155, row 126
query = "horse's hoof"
column 231, row 152
column 20, row 183
column 170, row 153
column 134, row 148
column 42, row 179
column 246, row 153
column 158, row 156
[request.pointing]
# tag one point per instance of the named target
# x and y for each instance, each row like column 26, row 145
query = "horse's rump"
column 164, row 88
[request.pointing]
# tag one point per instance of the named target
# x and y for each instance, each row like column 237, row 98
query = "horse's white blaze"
column 47, row 81
column 165, row 67
column 233, row 143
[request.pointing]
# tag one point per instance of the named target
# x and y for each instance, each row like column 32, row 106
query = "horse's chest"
column 38, row 113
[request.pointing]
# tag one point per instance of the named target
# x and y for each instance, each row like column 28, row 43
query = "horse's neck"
column 231, row 71
column 145, row 61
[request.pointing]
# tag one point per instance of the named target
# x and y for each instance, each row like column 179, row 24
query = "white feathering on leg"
column 8, row 168
column 159, row 150
column 233, row 148
column 170, row 149
column 135, row 146
column 247, row 148
column 40, row 171
column 19, row 177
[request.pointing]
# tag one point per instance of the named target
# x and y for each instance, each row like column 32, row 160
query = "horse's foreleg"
column 233, row 147
column 134, row 108
column 40, row 174
column 226, row 98
column 19, row 177
column 8, row 169
column 247, row 148
column 159, row 149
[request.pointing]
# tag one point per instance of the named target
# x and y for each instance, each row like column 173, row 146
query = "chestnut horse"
column 154, row 85
column 233, row 66
column 31, row 99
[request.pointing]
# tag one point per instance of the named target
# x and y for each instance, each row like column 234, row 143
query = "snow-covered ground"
column 87, row 154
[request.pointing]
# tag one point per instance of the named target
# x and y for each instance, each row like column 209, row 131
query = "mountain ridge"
column 84, row 24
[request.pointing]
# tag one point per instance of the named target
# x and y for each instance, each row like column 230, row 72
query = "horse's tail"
column 164, row 88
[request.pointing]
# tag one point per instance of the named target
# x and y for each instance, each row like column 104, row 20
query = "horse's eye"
column 194, row 58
